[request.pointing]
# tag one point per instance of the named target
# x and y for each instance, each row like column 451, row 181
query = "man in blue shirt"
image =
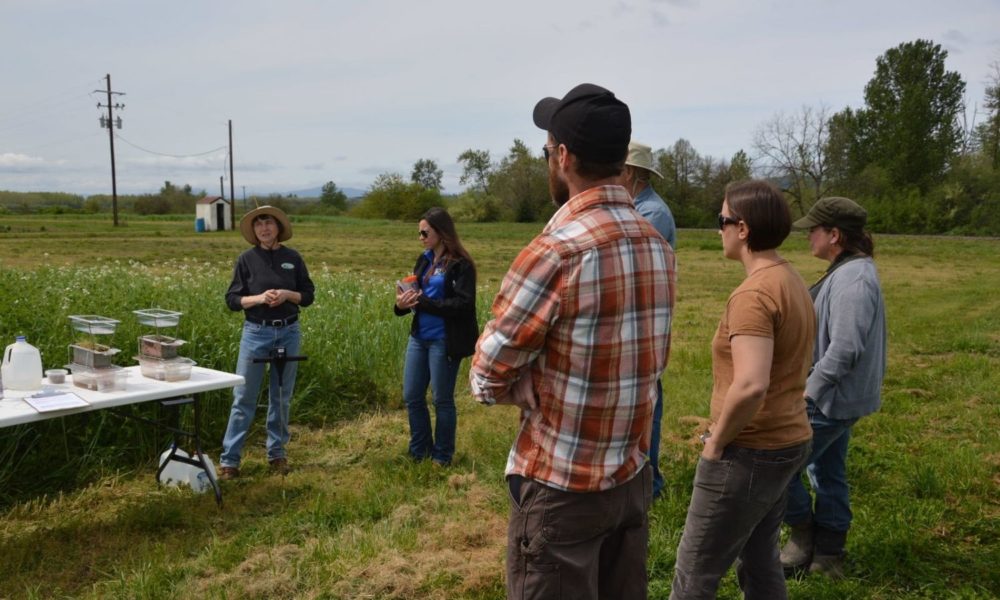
column 638, row 169
column 635, row 177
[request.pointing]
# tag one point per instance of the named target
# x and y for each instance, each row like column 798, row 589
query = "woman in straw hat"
column 270, row 283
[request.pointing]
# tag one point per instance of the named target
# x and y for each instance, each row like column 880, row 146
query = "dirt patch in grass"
column 459, row 548
column 265, row 573
column 696, row 425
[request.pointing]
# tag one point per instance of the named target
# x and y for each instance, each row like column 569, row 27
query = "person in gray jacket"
column 844, row 384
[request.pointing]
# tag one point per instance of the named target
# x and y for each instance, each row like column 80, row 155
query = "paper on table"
column 58, row 401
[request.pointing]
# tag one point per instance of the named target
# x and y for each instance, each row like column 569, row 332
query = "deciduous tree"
column 792, row 150
column 332, row 197
column 476, row 169
column 520, row 183
column 909, row 125
column 391, row 197
column 427, row 174
column 988, row 132
column 740, row 167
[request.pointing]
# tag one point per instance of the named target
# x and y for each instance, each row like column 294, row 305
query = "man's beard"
column 558, row 189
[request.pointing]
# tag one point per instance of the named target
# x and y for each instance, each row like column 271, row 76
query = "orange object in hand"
column 407, row 283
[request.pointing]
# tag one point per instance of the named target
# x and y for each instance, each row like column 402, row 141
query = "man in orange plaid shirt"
column 579, row 338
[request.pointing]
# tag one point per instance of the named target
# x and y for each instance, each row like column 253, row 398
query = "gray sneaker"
column 798, row 550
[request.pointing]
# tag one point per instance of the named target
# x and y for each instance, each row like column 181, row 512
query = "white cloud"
column 20, row 163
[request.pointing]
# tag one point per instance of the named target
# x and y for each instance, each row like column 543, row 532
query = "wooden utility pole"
column 110, row 124
column 232, row 188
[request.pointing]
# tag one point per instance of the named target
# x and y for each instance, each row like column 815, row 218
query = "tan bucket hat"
column 641, row 155
column 246, row 223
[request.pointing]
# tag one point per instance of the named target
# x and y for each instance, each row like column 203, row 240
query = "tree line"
column 908, row 155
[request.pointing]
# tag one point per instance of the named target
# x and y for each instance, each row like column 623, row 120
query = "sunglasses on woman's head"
column 424, row 233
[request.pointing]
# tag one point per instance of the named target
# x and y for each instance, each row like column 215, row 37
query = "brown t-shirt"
column 772, row 302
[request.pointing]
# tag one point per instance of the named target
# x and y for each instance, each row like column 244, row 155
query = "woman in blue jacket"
column 443, row 332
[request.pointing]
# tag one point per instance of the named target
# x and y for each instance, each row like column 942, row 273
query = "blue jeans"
column 654, row 443
column 735, row 512
column 257, row 342
column 827, row 471
column 427, row 362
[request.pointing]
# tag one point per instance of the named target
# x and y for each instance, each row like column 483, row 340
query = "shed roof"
column 212, row 199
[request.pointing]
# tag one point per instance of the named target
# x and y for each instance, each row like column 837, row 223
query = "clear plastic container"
column 94, row 356
column 158, row 317
column 56, row 376
column 159, row 346
column 94, row 324
column 170, row 369
column 108, row 379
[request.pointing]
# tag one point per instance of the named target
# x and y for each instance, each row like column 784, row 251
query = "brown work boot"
column 828, row 557
column 279, row 466
column 229, row 473
column 828, row 565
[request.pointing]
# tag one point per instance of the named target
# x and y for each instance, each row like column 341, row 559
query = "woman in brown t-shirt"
column 760, row 434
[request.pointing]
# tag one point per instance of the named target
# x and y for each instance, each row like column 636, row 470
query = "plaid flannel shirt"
column 584, row 313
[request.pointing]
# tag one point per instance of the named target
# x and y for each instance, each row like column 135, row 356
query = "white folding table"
column 14, row 410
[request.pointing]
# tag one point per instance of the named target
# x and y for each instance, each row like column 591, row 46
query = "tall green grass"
column 351, row 338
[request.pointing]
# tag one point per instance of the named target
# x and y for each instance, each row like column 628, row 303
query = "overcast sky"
column 342, row 91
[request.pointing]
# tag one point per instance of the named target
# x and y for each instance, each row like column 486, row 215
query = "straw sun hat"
column 641, row 155
column 246, row 223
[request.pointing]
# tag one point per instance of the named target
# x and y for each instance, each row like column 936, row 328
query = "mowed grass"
column 356, row 519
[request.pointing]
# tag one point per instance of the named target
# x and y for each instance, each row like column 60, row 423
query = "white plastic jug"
column 22, row 366
column 198, row 478
column 177, row 473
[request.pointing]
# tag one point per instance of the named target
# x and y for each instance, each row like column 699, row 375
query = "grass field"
column 82, row 517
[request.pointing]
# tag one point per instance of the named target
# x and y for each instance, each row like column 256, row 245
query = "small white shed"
column 212, row 214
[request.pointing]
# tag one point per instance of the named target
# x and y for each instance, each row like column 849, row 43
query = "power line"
column 30, row 116
column 148, row 151
column 18, row 116
column 60, row 97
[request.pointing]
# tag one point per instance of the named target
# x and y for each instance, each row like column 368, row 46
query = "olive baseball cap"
column 589, row 120
column 834, row 211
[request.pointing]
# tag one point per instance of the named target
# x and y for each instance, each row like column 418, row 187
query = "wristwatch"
column 704, row 436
